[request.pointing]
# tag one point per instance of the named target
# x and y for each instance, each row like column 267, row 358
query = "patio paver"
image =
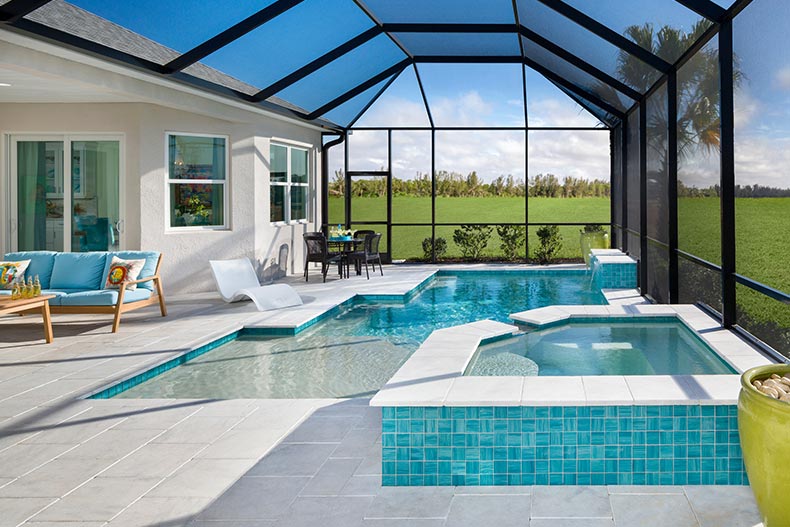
column 214, row 462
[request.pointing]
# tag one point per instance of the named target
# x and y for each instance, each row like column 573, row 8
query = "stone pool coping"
column 434, row 374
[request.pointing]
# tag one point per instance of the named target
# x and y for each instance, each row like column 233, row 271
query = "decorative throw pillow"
column 123, row 271
column 12, row 273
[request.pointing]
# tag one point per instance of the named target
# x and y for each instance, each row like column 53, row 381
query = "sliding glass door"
column 67, row 193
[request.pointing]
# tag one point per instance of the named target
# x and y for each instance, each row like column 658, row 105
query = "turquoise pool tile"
column 487, row 468
column 550, row 444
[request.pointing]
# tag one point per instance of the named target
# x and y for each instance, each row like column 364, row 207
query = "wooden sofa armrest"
column 140, row 280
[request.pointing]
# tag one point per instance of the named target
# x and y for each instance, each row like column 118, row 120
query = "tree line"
column 741, row 191
column 454, row 184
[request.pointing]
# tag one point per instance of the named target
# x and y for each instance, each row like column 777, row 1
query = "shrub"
column 472, row 239
column 514, row 238
column 439, row 247
column 593, row 229
column 550, row 242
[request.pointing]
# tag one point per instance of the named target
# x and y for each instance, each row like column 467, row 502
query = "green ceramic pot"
column 593, row 240
column 764, row 423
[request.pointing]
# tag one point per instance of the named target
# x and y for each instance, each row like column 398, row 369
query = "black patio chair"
column 318, row 252
column 362, row 234
column 359, row 238
column 369, row 254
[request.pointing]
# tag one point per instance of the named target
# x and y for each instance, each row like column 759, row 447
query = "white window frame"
column 288, row 184
column 224, row 182
column 8, row 232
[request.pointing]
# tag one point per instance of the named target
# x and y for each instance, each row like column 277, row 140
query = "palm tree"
column 698, row 96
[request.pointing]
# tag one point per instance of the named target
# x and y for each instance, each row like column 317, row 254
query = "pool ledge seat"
column 76, row 280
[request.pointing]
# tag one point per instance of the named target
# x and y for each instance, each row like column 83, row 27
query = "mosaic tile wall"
column 614, row 276
column 562, row 445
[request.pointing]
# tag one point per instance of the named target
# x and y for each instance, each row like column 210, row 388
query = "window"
column 196, row 178
column 289, row 178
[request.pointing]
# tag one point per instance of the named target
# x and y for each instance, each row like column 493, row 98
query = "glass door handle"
column 119, row 226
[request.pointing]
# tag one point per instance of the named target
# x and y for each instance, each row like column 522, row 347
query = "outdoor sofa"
column 77, row 281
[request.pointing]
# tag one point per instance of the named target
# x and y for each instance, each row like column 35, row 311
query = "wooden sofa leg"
column 118, row 308
column 162, row 307
column 117, row 320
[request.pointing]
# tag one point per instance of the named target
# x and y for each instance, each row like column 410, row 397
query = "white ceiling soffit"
column 36, row 87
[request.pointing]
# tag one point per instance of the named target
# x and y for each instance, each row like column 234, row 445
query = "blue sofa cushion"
column 58, row 293
column 41, row 263
column 151, row 259
column 78, row 270
column 104, row 297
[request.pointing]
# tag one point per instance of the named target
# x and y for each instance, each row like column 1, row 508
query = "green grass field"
column 407, row 241
column 762, row 230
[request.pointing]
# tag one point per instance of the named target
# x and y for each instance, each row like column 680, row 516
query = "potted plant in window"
column 193, row 211
column 593, row 237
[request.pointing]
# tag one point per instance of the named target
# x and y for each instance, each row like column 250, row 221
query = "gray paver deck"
column 127, row 462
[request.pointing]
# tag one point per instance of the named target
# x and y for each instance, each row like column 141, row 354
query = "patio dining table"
column 345, row 245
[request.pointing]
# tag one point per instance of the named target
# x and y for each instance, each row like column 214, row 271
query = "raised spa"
column 663, row 346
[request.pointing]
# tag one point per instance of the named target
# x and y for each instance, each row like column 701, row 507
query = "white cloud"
column 782, row 78
column 489, row 153
column 468, row 109
column 699, row 170
column 395, row 111
column 746, row 107
column 555, row 112
column 583, row 154
column 762, row 160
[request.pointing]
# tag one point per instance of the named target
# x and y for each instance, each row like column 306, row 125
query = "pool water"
column 629, row 348
column 355, row 352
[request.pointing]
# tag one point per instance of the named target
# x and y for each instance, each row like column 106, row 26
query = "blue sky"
column 762, row 103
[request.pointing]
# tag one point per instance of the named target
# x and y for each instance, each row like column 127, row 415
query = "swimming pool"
column 645, row 347
column 357, row 349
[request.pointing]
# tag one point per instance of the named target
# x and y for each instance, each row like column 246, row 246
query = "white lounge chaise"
column 236, row 280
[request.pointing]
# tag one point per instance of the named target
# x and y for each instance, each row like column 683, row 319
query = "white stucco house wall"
column 53, row 92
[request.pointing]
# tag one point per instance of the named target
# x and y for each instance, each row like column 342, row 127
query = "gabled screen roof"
column 328, row 61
